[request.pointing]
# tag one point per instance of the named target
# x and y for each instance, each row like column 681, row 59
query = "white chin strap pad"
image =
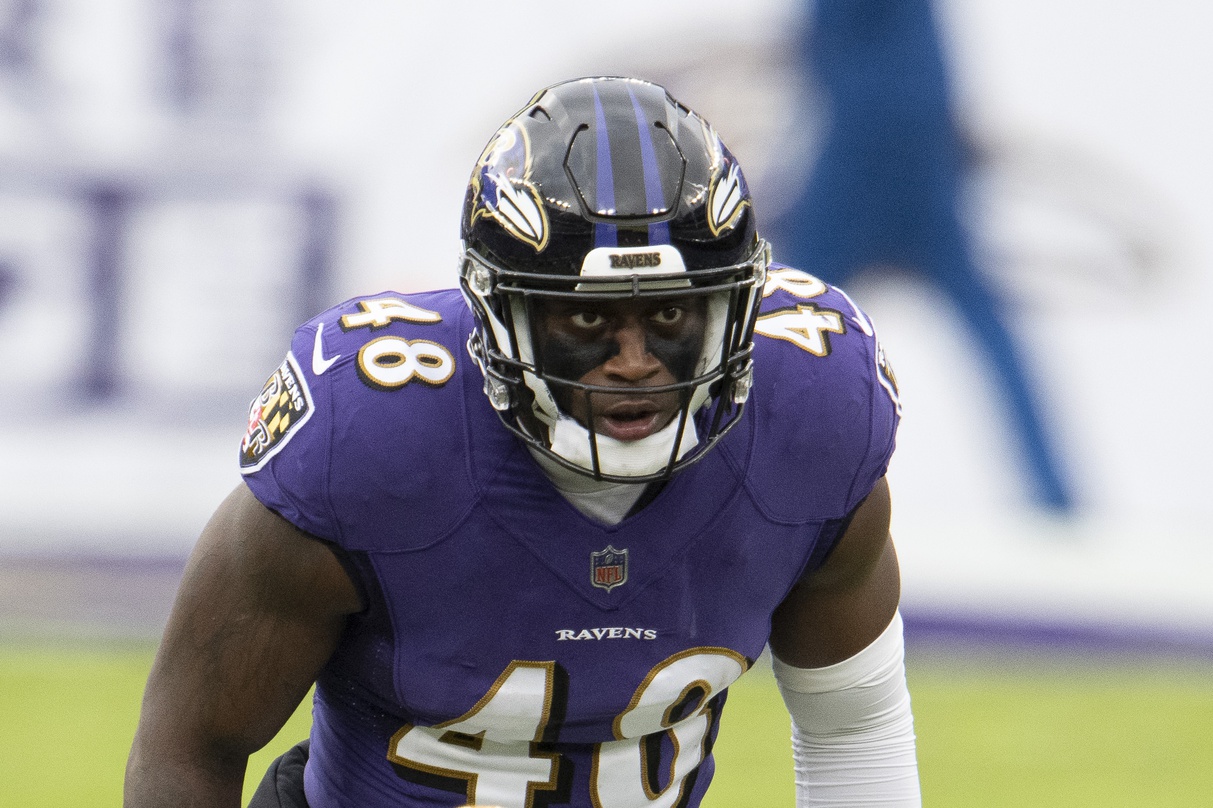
column 571, row 441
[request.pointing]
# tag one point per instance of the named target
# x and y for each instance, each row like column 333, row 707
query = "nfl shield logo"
column 609, row 568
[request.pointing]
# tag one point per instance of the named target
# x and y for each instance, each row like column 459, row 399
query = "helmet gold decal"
column 727, row 200
column 518, row 208
column 504, row 190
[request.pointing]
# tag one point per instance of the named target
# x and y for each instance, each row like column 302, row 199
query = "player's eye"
column 587, row 319
column 667, row 316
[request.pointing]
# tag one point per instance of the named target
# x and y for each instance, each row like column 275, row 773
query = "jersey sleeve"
column 284, row 455
column 884, row 413
column 824, row 404
column 367, row 407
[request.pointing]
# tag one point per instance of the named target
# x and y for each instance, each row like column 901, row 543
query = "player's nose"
column 633, row 363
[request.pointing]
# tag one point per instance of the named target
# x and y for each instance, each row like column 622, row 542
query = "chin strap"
column 852, row 729
column 636, row 458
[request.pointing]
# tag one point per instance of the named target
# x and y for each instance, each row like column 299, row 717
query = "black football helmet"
column 607, row 189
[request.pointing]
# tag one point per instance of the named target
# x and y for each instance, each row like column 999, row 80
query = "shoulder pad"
column 369, row 406
column 825, row 400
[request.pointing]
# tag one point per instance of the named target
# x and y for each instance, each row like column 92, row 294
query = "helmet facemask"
column 534, row 376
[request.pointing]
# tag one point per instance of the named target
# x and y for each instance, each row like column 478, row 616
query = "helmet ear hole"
column 608, row 189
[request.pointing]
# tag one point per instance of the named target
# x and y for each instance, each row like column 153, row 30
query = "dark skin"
column 628, row 345
column 259, row 611
column 262, row 606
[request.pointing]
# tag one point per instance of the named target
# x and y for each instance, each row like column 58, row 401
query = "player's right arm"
column 259, row 611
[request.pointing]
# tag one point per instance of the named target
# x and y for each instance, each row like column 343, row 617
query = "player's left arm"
column 840, row 664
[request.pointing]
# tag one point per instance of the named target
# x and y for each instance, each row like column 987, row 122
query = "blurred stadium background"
column 182, row 181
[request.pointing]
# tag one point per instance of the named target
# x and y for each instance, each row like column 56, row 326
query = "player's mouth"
column 632, row 420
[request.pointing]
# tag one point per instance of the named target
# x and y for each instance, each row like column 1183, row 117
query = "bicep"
column 837, row 610
column 259, row 611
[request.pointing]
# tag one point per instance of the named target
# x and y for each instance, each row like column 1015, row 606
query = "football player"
column 523, row 535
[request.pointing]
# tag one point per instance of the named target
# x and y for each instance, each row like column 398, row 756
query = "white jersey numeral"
column 380, row 311
column 673, row 700
column 490, row 746
column 497, row 748
column 391, row 362
column 793, row 281
column 805, row 326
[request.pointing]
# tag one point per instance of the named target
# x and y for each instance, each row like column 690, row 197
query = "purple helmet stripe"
column 659, row 233
column 605, row 235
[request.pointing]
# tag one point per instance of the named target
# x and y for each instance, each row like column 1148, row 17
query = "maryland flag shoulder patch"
column 276, row 414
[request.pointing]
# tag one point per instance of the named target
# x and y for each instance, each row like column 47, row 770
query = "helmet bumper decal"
column 632, row 264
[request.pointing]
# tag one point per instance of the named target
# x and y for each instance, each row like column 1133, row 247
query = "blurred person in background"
column 884, row 191
column 523, row 535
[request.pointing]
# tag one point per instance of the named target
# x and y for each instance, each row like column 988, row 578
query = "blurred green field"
column 1010, row 731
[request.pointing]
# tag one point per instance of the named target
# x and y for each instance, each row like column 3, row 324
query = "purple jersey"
column 514, row 652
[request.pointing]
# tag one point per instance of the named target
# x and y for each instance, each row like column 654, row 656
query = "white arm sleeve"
column 852, row 729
